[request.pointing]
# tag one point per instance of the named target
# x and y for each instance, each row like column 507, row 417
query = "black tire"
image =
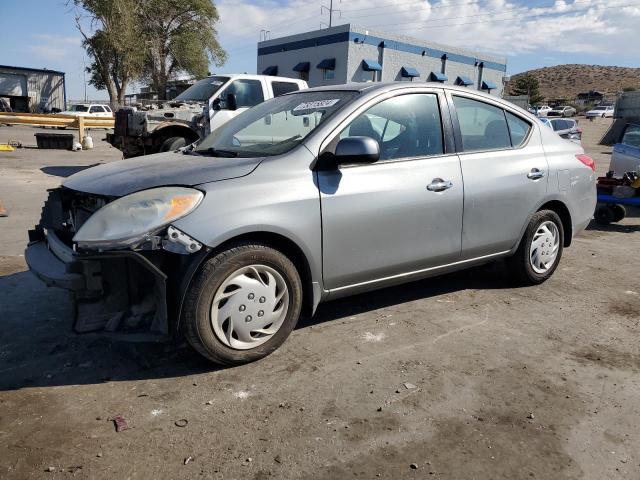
column 173, row 143
column 519, row 264
column 619, row 212
column 604, row 215
column 197, row 327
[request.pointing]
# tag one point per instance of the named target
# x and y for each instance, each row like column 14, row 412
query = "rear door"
column 505, row 174
column 392, row 217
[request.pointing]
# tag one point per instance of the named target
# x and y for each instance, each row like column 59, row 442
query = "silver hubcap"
column 249, row 307
column 544, row 247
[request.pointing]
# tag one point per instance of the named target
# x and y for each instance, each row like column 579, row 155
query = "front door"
column 505, row 174
column 401, row 214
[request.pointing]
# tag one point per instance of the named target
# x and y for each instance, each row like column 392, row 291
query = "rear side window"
column 280, row 88
column 518, row 128
column 482, row 126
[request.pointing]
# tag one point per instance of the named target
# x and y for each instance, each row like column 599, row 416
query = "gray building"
column 347, row 53
column 32, row 89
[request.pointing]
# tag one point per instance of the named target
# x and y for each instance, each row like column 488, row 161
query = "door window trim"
column 445, row 120
column 457, row 133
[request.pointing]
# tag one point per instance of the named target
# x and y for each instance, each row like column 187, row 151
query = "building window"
column 328, row 74
column 303, row 76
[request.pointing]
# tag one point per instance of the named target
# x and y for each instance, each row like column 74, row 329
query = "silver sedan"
column 308, row 197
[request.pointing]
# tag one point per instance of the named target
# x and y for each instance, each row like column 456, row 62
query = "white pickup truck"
column 194, row 113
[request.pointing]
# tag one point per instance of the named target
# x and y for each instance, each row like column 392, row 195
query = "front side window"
column 482, row 126
column 518, row 129
column 404, row 126
column 95, row 109
column 248, row 93
column 276, row 126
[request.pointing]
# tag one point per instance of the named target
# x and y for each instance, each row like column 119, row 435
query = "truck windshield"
column 275, row 126
column 202, row 90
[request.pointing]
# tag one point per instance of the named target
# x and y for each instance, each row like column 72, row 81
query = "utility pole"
column 329, row 9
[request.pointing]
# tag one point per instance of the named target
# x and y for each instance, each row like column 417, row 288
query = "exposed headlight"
column 130, row 219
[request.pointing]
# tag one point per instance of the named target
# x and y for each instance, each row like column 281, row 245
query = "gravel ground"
column 460, row 376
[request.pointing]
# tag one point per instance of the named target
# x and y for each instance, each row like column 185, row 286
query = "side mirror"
column 232, row 102
column 357, row 150
column 351, row 150
column 215, row 104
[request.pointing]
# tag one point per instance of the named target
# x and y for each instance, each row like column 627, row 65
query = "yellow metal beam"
column 77, row 122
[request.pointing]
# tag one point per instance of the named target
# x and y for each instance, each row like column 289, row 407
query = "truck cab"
column 203, row 107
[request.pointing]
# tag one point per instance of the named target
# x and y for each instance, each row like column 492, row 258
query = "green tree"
column 114, row 45
column 527, row 84
column 180, row 37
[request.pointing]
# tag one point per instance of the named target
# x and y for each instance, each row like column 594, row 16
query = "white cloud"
column 54, row 47
column 498, row 26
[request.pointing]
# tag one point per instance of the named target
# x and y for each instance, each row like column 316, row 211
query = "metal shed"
column 32, row 89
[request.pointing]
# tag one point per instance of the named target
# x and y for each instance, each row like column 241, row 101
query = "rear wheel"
column 173, row 143
column 242, row 304
column 540, row 249
column 604, row 215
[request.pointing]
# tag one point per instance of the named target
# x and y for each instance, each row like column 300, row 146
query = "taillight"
column 587, row 160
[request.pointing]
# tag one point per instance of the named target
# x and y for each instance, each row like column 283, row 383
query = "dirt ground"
column 461, row 376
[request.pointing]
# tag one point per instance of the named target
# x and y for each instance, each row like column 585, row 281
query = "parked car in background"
column 311, row 196
column 564, row 111
column 566, row 128
column 200, row 109
column 89, row 110
column 626, row 154
column 540, row 111
column 601, row 111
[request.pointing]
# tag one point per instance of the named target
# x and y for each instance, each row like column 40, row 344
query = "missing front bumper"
column 118, row 292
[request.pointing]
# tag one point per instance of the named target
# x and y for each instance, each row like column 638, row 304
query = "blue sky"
column 42, row 33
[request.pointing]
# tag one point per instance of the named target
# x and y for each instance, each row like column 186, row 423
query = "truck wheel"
column 172, row 144
column 242, row 304
column 540, row 249
column 619, row 212
column 604, row 215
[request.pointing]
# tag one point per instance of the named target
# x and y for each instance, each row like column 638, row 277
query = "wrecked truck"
column 192, row 115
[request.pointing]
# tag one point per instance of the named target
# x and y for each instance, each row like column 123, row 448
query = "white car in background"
column 89, row 110
column 540, row 111
column 601, row 111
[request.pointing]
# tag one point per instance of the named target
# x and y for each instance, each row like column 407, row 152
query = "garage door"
column 13, row 85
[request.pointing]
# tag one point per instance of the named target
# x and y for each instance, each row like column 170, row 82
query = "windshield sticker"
column 216, row 83
column 316, row 105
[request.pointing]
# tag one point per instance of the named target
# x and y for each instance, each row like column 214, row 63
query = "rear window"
column 632, row 136
column 280, row 88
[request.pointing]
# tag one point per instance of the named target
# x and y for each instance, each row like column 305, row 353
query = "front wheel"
column 172, row 144
column 540, row 249
column 242, row 304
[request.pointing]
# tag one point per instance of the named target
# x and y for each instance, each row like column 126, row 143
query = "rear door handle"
column 439, row 185
column 535, row 174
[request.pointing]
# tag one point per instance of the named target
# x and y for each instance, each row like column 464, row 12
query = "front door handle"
column 535, row 174
column 439, row 185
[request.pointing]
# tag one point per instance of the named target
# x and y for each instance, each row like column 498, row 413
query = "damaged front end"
column 126, row 267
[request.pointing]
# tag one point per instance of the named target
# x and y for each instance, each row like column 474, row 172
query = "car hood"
column 120, row 178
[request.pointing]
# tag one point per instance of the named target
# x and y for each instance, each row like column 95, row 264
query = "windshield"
column 79, row 108
column 275, row 126
column 600, row 108
column 202, row 90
